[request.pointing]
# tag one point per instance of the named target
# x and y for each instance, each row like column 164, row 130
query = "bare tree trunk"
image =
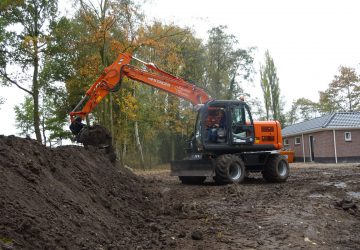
column 137, row 139
column 172, row 148
column 36, row 99
column 138, row 145
column 111, row 120
column 35, row 85
column 124, row 152
column 43, row 129
column 124, row 148
column 349, row 96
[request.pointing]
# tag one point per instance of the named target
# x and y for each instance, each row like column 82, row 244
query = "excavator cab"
column 222, row 124
column 227, row 144
column 242, row 126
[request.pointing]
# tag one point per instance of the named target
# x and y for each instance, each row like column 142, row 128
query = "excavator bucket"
column 97, row 136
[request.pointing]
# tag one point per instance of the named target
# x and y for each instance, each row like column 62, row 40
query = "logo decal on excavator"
column 159, row 81
column 182, row 90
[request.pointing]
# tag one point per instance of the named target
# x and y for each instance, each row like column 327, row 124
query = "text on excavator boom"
column 110, row 80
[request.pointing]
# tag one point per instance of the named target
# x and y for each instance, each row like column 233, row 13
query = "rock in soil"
column 197, row 235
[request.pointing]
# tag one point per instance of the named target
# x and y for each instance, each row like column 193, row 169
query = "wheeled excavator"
column 227, row 144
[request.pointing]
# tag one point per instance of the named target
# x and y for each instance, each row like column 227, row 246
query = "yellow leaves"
column 116, row 46
column 89, row 69
column 103, row 30
column 7, row 4
column 164, row 44
column 98, row 30
column 128, row 104
column 33, row 42
column 28, row 42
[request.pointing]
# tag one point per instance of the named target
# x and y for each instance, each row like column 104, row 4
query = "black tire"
column 229, row 169
column 192, row 180
column 276, row 169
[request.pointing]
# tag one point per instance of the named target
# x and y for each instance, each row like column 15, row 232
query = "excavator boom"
column 110, row 80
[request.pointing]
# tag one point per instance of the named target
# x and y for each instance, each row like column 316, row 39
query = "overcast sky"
column 308, row 39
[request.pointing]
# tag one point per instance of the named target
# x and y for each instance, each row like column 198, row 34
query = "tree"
column 256, row 107
column 164, row 119
column 302, row 109
column 54, row 114
column 26, row 48
column 265, row 86
column 224, row 63
column 101, row 30
column 328, row 102
column 24, row 116
column 2, row 100
column 270, row 86
column 344, row 90
column 3, row 36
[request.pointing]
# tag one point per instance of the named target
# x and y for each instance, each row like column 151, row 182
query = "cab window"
column 237, row 123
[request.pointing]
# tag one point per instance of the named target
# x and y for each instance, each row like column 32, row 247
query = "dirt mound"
column 70, row 197
column 74, row 198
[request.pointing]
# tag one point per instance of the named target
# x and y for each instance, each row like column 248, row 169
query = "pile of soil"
column 70, row 197
column 75, row 198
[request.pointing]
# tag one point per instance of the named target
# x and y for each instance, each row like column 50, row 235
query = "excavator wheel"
column 229, row 169
column 276, row 170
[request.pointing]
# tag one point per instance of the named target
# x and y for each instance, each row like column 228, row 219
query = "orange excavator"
column 226, row 143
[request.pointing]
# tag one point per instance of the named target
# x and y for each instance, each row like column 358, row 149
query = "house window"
column 297, row 141
column 347, row 136
column 286, row 142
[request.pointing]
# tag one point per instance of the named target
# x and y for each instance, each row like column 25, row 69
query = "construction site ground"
column 75, row 198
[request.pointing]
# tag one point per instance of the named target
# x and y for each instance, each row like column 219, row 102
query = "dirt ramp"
column 69, row 197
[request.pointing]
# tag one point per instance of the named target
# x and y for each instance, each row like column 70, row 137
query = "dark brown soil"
column 73, row 198
column 70, row 198
column 317, row 208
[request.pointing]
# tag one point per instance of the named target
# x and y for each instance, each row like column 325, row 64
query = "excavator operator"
column 215, row 124
column 76, row 127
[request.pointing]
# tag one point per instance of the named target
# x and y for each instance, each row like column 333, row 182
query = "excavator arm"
column 110, row 80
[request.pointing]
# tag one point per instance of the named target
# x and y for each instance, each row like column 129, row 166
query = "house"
column 331, row 138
